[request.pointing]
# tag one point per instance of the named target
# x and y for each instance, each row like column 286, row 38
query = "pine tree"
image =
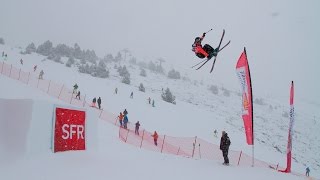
column 45, row 48
column 31, row 48
column 2, row 41
column 143, row 73
column 70, row 62
column 168, row 97
column 141, row 88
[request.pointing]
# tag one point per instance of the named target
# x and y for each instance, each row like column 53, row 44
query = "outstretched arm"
column 203, row 35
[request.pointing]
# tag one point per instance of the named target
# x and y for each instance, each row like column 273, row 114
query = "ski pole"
column 209, row 30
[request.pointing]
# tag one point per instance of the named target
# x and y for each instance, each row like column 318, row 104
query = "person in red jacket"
column 155, row 138
column 197, row 47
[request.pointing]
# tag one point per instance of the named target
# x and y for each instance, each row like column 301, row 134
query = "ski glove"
column 204, row 34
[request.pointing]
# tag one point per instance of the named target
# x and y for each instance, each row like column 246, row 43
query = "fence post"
column 71, row 98
column 19, row 74
column 194, row 145
column 10, row 70
column 49, row 87
column 84, row 100
column 115, row 122
column 2, row 67
column 239, row 158
column 100, row 113
column 127, row 136
column 163, row 143
column 28, row 78
column 38, row 82
column 60, row 90
column 178, row 151
column 199, row 151
column 142, row 138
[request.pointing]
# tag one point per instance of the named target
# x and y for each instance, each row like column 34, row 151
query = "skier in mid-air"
column 197, row 47
column 206, row 51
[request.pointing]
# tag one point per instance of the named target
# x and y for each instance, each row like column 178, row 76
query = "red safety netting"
column 192, row 147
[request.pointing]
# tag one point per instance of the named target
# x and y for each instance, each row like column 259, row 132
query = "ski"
column 224, row 46
column 215, row 58
column 218, row 49
column 221, row 39
column 214, row 61
column 197, row 63
column 203, row 64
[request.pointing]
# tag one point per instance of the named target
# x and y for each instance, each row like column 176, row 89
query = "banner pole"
column 245, row 52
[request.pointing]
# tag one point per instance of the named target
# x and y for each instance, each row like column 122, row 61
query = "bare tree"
column 125, row 51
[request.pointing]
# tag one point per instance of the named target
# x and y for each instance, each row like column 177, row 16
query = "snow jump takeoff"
column 207, row 51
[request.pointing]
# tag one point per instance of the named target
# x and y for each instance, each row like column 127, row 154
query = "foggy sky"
column 281, row 37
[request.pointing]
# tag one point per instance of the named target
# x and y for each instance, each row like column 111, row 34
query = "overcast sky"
column 282, row 37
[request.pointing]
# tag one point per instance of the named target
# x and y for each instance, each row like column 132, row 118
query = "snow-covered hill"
column 198, row 112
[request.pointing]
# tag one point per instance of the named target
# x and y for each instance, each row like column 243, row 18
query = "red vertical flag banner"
column 243, row 73
column 69, row 130
column 289, row 146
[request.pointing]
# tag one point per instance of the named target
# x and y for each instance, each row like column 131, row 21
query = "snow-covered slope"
column 197, row 112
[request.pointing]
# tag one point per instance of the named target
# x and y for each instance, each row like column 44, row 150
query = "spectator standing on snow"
column 307, row 171
column 149, row 100
column 125, row 121
column 78, row 95
column 116, row 91
column 120, row 117
column 131, row 95
column 155, row 138
column 99, row 102
column 215, row 133
column 41, row 74
column 75, row 88
column 34, row 68
column 136, row 131
column 125, row 112
column 94, row 100
column 21, row 61
column 153, row 103
column 224, row 147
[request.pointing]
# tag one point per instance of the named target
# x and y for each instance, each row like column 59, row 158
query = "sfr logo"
column 69, row 131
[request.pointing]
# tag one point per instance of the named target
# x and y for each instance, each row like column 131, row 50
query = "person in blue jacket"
column 125, row 121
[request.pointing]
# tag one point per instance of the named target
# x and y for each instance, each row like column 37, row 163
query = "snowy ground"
column 198, row 112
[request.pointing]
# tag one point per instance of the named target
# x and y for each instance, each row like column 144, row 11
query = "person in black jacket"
column 94, row 102
column 78, row 95
column 99, row 102
column 137, row 128
column 224, row 147
column 125, row 112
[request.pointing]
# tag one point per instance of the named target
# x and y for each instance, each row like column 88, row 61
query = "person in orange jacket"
column 120, row 118
column 155, row 138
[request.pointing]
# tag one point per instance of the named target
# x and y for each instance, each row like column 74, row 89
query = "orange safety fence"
column 192, row 147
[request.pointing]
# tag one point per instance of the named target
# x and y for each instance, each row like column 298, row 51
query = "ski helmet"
column 198, row 39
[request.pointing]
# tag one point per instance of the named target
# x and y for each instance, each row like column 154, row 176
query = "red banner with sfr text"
column 69, row 130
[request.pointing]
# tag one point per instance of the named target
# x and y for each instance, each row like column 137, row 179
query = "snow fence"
column 191, row 147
